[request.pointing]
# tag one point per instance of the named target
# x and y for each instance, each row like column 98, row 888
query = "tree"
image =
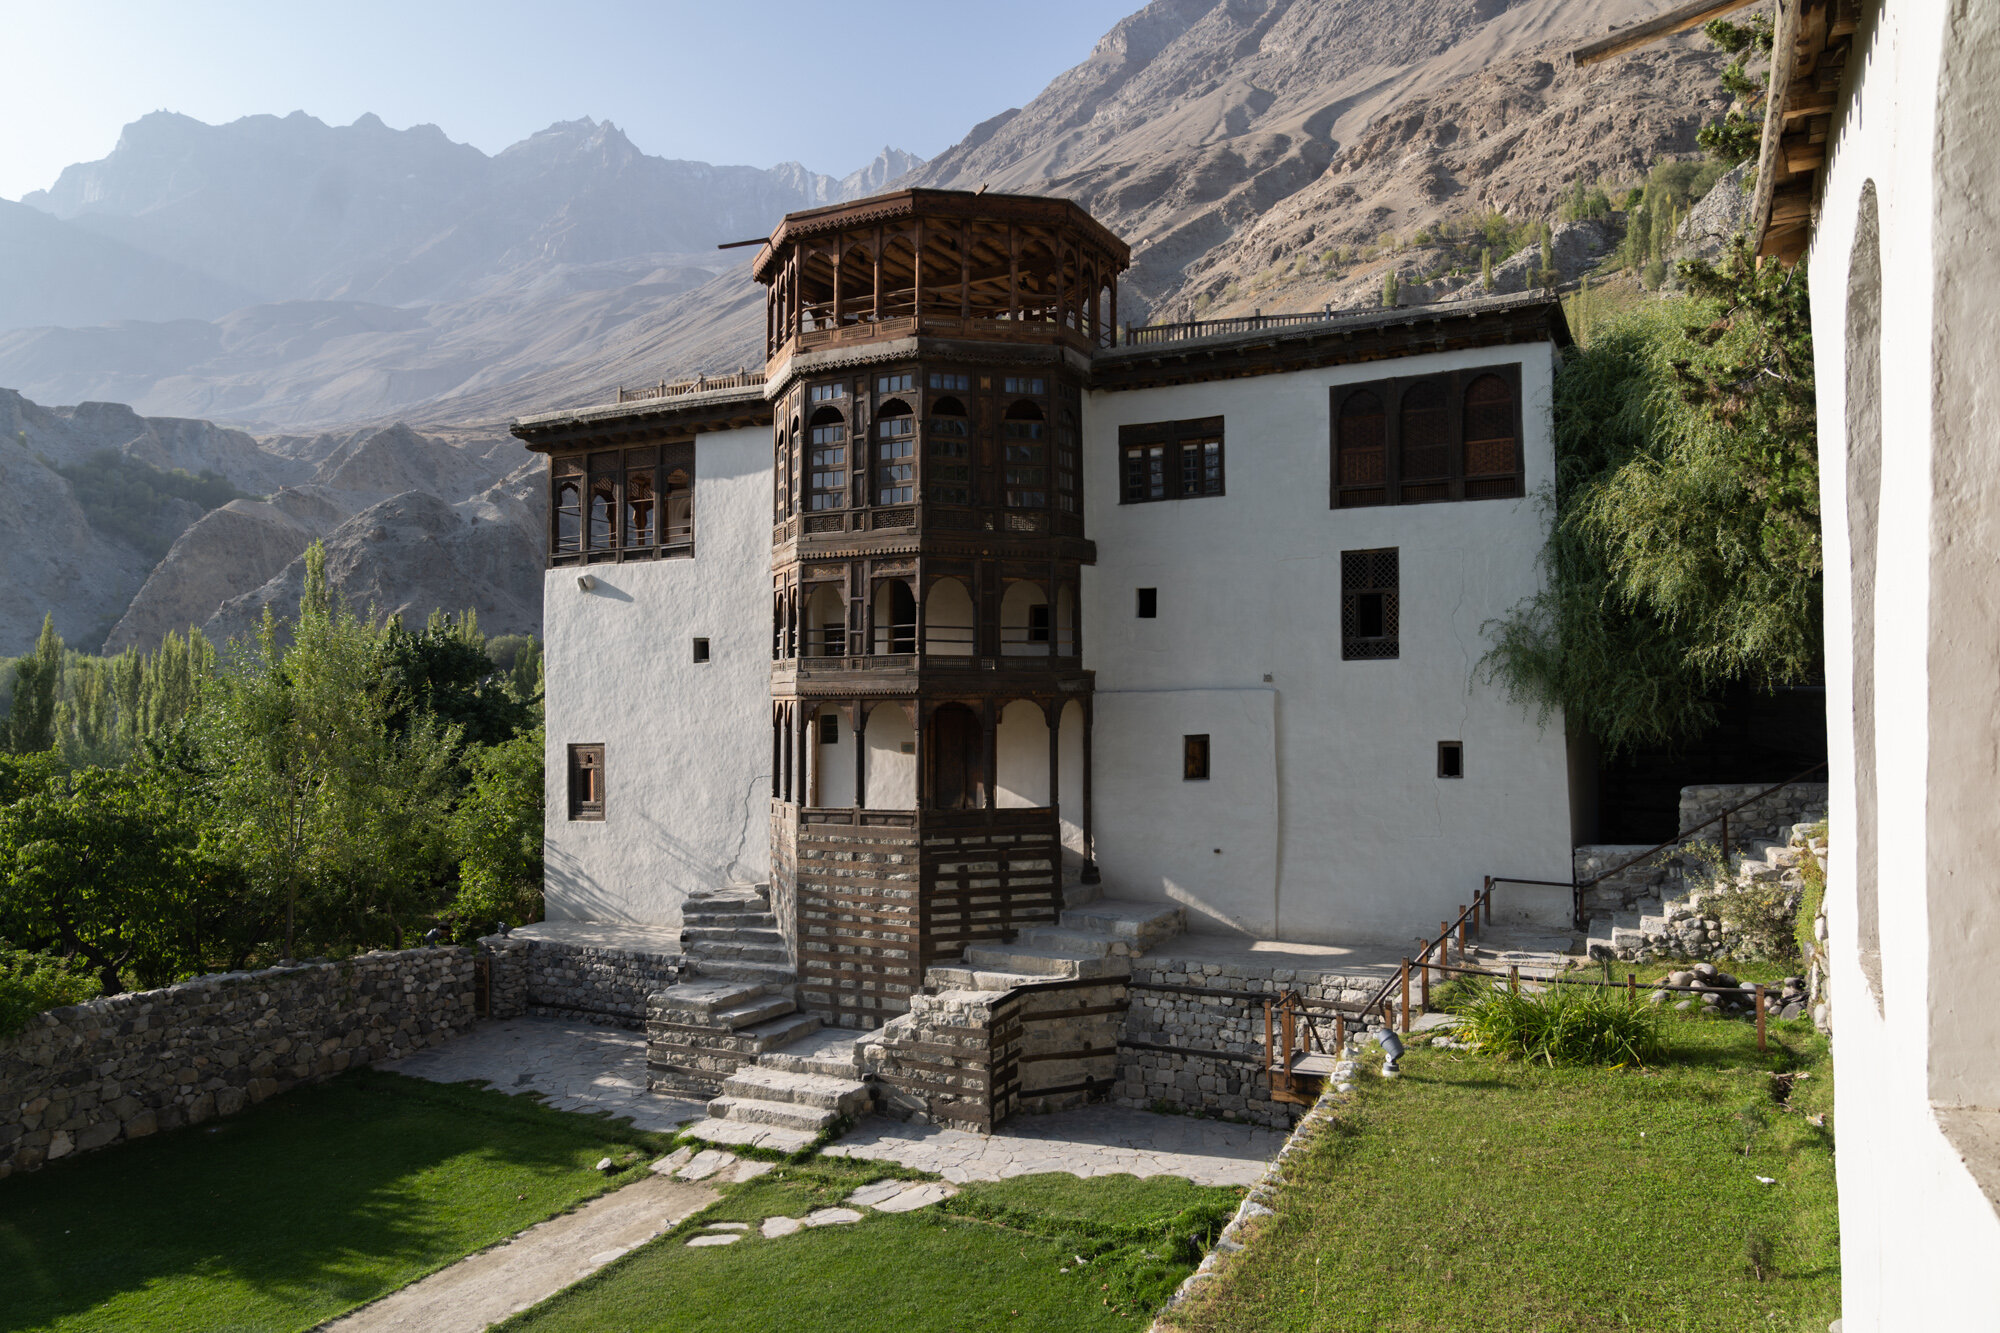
column 31, row 718
column 331, row 795
column 445, row 672
column 496, row 832
column 1685, row 553
column 1391, row 289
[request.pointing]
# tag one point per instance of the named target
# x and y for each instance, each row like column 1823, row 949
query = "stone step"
column 785, row 1115
column 732, row 934
column 1144, row 924
column 691, row 920
column 1046, row 964
column 761, row 1083
column 948, row 977
column 829, row 1051
column 695, row 1002
column 752, row 1012
column 747, row 1134
column 749, row 951
column 772, row 976
column 1063, row 940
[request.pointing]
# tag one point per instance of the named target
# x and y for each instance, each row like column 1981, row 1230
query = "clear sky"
column 826, row 83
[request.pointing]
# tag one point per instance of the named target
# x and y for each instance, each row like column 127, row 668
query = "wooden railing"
column 742, row 379
column 1208, row 328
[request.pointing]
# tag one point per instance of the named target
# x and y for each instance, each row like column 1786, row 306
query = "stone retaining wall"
column 1233, row 1089
column 1656, row 877
column 127, row 1066
column 1770, row 818
column 596, row 983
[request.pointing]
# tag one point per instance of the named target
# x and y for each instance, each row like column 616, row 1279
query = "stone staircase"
column 789, row 1095
column 729, row 933
column 1677, row 925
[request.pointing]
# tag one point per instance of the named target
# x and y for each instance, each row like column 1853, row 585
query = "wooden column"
column 1054, row 715
column 808, row 761
column 917, row 276
column 1090, row 875
column 989, row 725
column 965, row 270
column 860, row 733
column 838, row 255
column 877, row 312
column 921, row 797
column 777, row 755
column 1013, row 273
column 785, row 743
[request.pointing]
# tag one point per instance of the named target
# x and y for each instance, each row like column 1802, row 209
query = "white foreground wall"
column 1913, row 898
column 1324, row 819
column 687, row 744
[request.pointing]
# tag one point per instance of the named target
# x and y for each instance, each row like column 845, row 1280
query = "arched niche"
column 895, row 616
column 825, row 622
column 1025, row 622
column 891, row 772
column 950, row 622
column 1021, row 750
column 833, row 758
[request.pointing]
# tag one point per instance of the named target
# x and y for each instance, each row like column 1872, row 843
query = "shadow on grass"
column 297, row 1209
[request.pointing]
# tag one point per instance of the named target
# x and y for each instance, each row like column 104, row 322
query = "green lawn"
column 1472, row 1193
column 992, row 1258
column 294, row 1211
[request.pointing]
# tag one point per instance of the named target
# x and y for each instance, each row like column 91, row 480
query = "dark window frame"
column 1153, row 460
column 1378, row 574
column 1455, row 482
column 701, row 652
column 1147, row 605
column 587, row 782
column 1195, row 757
column 1451, row 760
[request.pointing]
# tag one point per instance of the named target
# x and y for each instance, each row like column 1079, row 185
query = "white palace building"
column 1201, row 605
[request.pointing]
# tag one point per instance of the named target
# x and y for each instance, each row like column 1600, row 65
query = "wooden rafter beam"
column 1645, row 34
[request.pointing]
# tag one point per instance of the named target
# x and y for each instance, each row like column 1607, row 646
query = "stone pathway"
column 575, row 1066
column 1093, row 1141
column 534, row 1265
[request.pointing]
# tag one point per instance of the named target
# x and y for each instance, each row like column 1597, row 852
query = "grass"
column 1562, row 1025
column 1502, row 1195
column 999, row 1256
column 296, row 1210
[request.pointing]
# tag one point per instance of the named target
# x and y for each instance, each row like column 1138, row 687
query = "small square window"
column 586, row 782
column 1149, row 603
column 829, row 728
column 701, row 650
column 1451, row 759
column 909, row 747
column 1194, row 758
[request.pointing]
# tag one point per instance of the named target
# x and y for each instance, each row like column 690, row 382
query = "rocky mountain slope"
column 417, row 522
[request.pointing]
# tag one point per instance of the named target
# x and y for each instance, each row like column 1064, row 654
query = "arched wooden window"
column 1492, row 444
column 568, row 535
column 828, row 470
column 1424, row 430
column 603, row 502
column 679, row 501
column 895, row 453
column 948, row 452
column 1361, row 452
column 1024, row 438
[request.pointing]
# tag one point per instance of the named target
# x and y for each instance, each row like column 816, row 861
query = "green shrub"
column 32, row 982
column 1563, row 1024
column 1813, row 893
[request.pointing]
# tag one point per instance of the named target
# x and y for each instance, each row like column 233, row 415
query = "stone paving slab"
column 1091, row 1141
column 532, row 1266
column 575, row 1066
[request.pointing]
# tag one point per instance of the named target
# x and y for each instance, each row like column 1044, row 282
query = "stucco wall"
column 687, row 744
column 1344, row 831
column 1918, row 1235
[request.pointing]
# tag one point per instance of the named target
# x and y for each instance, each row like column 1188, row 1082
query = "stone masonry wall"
column 594, row 983
column 1232, row 1089
column 1771, row 818
column 127, row 1066
column 506, row 975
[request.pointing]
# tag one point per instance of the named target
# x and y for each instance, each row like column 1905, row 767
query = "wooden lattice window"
column 566, row 510
column 948, row 450
column 895, row 453
column 828, row 459
column 586, row 782
column 1024, row 443
column 617, row 505
column 1170, row 460
column 1368, row 604
column 1452, row 436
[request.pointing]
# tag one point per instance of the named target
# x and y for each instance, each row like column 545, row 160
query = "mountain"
column 1196, row 127
column 62, row 274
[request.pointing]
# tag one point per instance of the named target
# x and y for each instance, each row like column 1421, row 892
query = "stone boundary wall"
column 1234, row 1090
column 1771, row 818
column 126, row 1066
column 1656, row 877
column 595, row 983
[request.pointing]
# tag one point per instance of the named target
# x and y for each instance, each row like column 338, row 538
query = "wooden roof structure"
column 1809, row 49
